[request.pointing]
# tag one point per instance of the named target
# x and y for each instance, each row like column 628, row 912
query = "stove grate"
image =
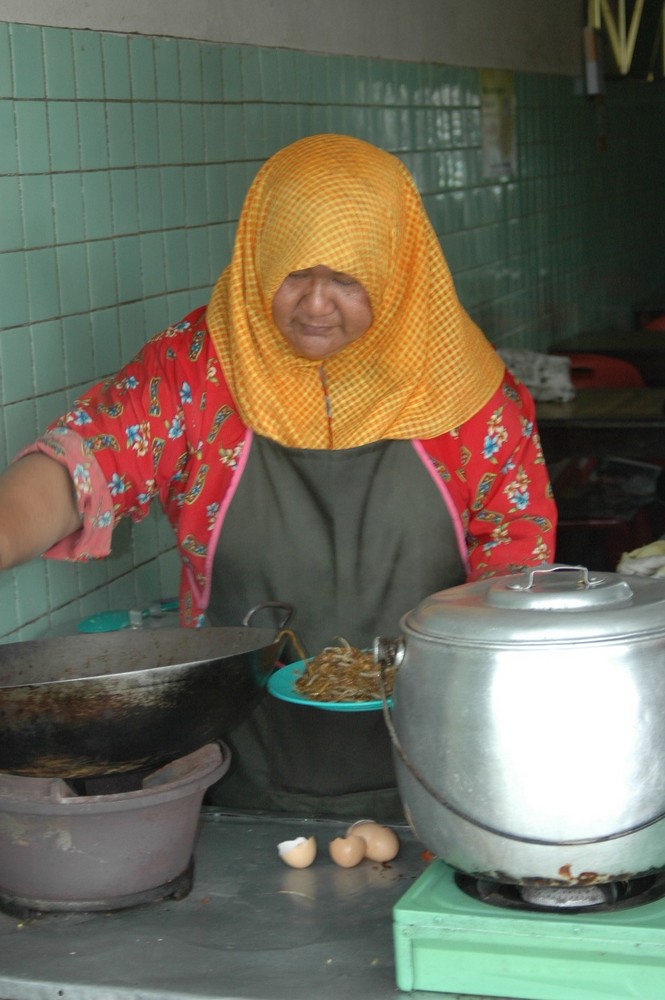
column 575, row 899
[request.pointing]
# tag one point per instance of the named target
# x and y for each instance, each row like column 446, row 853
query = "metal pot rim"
column 545, row 604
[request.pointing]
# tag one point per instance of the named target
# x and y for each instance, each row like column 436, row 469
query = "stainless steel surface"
column 84, row 705
column 251, row 929
column 532, row 707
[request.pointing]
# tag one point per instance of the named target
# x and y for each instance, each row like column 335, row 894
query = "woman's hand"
column 37, row 508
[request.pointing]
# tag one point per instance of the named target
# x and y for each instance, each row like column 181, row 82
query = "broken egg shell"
column 382, row 843
column 347, row 852
column 298, row 853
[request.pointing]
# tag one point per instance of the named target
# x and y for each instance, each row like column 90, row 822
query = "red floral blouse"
column 166, row 426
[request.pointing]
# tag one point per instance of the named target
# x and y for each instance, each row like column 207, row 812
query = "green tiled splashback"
column 123, row 164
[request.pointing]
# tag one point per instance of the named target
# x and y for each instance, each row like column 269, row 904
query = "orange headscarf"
column 422, row 368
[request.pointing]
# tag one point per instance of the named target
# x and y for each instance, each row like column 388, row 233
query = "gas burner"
column 573, row 899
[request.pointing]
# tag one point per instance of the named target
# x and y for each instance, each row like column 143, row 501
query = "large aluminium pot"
column 528, row 724
column 86, row 705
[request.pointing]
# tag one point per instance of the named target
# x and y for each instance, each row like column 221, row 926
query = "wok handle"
column 288, row 609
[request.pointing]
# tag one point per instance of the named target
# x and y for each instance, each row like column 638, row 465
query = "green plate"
column 282, row 685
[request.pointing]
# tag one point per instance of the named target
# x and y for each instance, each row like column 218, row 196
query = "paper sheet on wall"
column 497, row 108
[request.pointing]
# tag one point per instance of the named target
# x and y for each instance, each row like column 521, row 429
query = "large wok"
column 85, row 705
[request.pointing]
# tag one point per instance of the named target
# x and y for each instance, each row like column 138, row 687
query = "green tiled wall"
column 123, row 164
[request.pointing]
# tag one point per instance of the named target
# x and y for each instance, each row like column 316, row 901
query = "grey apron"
column 353, row 539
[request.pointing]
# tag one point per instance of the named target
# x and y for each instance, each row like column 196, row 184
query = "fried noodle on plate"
column 344, row 673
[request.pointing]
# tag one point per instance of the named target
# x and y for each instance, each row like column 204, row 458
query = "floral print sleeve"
column 131, row 425
column 494, row 470
column 164, row 427
column 93, row 496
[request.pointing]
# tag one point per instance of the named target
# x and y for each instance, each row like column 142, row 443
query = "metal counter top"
column 250, row 929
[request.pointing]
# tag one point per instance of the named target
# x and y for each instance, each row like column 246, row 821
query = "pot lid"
column 545, row 603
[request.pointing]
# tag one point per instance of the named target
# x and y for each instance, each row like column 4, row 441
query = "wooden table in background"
column 622, row 422
column 602, row 423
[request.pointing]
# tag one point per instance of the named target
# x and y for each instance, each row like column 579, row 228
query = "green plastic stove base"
column 447, row 942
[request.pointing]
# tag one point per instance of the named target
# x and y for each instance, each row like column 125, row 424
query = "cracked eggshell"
column 382, row 843
column 298, row 853
column 347, row 852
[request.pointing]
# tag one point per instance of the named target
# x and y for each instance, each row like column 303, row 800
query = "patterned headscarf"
column 422, row 368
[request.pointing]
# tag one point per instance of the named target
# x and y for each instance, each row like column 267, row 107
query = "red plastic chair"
column 599, row 371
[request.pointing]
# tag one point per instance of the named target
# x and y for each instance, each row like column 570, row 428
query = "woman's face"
column 319, row 311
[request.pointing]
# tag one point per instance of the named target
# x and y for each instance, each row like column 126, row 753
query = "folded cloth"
column 546, row 376
column 649, row 560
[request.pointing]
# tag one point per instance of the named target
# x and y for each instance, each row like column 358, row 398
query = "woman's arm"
column 124, row 442
column 37, row 508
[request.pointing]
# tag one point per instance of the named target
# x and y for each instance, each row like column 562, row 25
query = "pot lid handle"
column 547, row 593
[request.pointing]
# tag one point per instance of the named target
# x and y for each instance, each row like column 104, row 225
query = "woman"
column 332, row 431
